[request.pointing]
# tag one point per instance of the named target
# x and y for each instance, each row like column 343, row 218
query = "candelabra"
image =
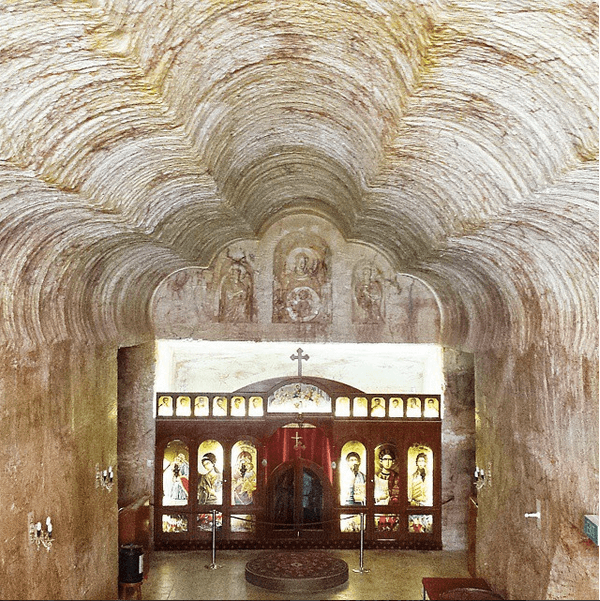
column 479, row 478
column 105, row 478
column 40, row 536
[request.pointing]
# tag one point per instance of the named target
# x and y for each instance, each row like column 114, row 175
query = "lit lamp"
column 479, row 478
column 40, row 536
column 105, row 478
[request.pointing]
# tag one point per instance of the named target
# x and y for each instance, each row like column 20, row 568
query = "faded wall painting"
column 301, row 273
column 368, row 294
column 180, row 303
column 412, row 310
column 302, row 280
column 236, row 291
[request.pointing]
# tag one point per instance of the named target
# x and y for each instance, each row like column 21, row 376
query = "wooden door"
column 299, row 501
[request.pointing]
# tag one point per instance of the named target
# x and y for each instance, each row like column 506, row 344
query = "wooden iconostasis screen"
column 298, row 466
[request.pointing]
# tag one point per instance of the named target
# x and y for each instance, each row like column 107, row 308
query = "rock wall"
column 537, row 429
column 58, row 421
column 136, row 423
column 458, row 446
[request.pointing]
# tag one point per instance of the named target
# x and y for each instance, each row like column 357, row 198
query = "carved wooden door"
column 299, row 500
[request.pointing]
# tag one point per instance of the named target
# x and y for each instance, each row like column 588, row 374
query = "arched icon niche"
column 420, row 476
column 210, row 473
column 352, row 474
column 176, row 474
column 243, row 473
column 387, row 478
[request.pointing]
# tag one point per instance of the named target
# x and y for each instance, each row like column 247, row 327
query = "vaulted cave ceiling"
column 459, row 138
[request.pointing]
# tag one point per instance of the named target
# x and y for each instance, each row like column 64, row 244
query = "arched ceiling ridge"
column 491, row 102
column 119, row 138
column 458, row 138
column 247, row 61
column 151, row 177
column 278, row 131
column 421, row 203
column 101, row 97
column 276, row 185
column 298, row 31
column 104, row 295
column 542, row 259
column 110, row 107
column 218, row 231
column 48, row 241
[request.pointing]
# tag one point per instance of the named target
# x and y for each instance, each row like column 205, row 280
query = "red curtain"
column 308, row 443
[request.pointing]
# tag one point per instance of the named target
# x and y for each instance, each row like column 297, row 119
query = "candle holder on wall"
column 483, row 477
column 105, row 479
column 40, row 536
column 479, row 478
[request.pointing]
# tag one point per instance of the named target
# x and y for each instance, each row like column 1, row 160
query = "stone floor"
column 391, row 575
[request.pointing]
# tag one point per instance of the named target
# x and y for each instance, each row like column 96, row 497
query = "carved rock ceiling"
column 459, row 138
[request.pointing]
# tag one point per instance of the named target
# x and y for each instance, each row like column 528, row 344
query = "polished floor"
column 386, row 575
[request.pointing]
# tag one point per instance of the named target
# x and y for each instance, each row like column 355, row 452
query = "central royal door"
column 299, row 501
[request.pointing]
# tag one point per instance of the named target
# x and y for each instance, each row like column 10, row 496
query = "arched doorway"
column 299, row 500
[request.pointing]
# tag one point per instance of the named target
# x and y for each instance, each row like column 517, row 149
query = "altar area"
column 296, row 462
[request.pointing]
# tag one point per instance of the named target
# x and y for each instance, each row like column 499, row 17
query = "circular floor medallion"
column 296, row 571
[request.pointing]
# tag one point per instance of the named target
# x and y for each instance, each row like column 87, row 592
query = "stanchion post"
column 361, row 569
column 213, row 565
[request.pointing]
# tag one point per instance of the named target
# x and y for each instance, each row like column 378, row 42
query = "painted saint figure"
column 368, row 293
column 244, row 479
column 387, row 485
column 301, row 280
column 377, row 407
column 210, row 484
column 180, row 474
column 235, row 303
column 431, row 408
column 418, row 494
column 413, row 408
column 303, row 268
column 303, row 304
column 357, row 483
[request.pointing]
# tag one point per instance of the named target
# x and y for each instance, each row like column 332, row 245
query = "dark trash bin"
column 131, row 563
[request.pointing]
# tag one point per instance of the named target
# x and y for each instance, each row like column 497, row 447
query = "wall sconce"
column 537, row 514
column 41, row 536
column 479, row 478
column 105, row 479
column 483, row 477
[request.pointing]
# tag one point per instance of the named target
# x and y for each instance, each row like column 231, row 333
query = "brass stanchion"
column 361, row 569
column 213, row 565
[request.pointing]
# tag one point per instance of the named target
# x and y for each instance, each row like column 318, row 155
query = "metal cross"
column 298, row 444
column 299, row 357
